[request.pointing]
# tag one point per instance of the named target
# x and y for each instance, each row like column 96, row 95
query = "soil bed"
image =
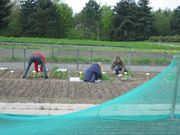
column 15, row 89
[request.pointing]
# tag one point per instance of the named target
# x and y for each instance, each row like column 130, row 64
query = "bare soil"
column 15, row 89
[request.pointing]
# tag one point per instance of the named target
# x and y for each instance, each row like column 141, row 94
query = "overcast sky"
column 77, row 5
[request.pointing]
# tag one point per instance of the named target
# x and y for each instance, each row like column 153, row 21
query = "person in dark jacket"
column 118, row 66
column 37, row 59
column 93, row 73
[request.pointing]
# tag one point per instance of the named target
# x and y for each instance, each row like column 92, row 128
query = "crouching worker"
column 93, row 73
column 37, row 59
column 118, row 66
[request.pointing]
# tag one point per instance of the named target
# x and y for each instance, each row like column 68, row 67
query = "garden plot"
column 61, row 90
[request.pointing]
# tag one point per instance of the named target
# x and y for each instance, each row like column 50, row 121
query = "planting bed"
column 53, row 90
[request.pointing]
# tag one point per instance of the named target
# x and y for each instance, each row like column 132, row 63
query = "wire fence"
column 85, row 54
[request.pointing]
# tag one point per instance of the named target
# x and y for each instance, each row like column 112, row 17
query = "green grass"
column 129, row 45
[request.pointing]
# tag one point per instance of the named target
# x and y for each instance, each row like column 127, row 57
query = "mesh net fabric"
column 157, row 99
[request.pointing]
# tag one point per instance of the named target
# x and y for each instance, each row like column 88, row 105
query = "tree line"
column 126, row 21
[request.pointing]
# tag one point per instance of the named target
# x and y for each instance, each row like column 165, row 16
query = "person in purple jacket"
column 93, row 73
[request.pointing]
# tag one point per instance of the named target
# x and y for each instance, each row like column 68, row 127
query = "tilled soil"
column 15, row 89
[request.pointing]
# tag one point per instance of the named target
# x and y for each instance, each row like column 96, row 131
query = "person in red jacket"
column 37, row 59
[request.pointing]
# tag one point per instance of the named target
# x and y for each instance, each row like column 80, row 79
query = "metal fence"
column 84, row 55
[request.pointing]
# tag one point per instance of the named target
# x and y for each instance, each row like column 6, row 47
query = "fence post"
column 52, row 54
column 77, row 58
column 129, row 59
column 12, row 55
column 91, row 54
column 175, row 91
column 165, row 55
column 24, row 59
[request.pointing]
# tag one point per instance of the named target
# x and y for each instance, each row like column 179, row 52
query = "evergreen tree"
column 175, row 24
column 27, row 20
column 40, row 18
column 5, row 7
column 91, row 18
column 46, row 20
column 145, row 20
column 124, row 21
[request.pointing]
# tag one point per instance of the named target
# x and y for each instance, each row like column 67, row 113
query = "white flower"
column 12, row 71
column 103, row 72
column 80, row 72
column 119, row 75
column 34, row 71
column 147, row 73
column 125, row 73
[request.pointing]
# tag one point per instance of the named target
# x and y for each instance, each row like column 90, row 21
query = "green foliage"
column 175, row 23
column 175, row 38
column 106, row 22
column 14, row 27
column 148, row 61
column 145, row 20
column 80, row 59
column 41, row 18
column 91, row 15
column 10, row 59
column 127, row 76
column 55, row 73
column 162, row 22
column 124, row 21
column 5, row 8
column 106, row 77
column 64, row 18
column 128, row 21
column 131, row 21
column 119, row 45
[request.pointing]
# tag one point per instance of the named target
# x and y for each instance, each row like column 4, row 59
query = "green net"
column 151, row 106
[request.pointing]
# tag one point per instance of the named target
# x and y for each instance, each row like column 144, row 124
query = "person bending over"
column 93, row 73
column 37, row 59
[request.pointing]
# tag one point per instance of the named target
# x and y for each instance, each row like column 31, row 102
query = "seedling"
column 126, row 76
column 59, row 73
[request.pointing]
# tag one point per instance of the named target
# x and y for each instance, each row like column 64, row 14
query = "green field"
column 127, row 45
column 66, row 50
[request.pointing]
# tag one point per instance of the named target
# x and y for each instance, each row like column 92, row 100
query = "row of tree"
column 126, row 21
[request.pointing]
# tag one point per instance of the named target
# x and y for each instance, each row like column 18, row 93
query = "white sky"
column 77, row 5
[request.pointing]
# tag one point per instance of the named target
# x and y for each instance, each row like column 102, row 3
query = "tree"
column 91, row 18
column 175, row 24
column 162, row 22
column 106, row 22
column 40, row 18
column 27, row 20
column 124, row 20
column 145, row 20
column 65, row 18
column 14, row 27
column 5, row 7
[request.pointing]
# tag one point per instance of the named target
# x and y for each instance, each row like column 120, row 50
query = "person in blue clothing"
column 93, row 72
